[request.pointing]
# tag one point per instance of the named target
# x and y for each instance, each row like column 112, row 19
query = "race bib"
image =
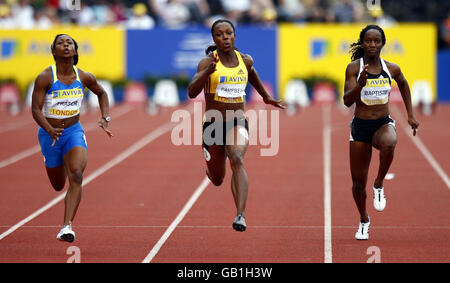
column 230, row 90
column 376, row 91
column 375, row 96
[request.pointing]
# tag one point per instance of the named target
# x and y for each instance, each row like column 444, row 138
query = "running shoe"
column 363, row 231
column 379, row 199
column 66, row 234
column 239, row 223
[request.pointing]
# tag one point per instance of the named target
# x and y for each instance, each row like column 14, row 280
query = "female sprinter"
column 223, row 75
column 56, row 101
column 368, row 84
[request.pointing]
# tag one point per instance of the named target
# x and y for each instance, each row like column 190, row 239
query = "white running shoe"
column 379, row 199
column 239, row 223
column 66, row 234
column 363, row 231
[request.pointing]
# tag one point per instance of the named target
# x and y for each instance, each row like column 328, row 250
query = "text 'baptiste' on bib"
column 376, row 91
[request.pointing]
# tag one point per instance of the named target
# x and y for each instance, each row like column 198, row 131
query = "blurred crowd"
column 148, row 14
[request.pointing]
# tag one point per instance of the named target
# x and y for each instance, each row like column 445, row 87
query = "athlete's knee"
column 76, row 176
column 217, row 181
column 58, row 186
column 236, row 160
column 388, row 145
column 57, row 177
column 358, row 185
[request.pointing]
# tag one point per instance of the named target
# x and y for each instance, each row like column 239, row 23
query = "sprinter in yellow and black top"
column 368, row 84
column 223, row 75
column 57, row 96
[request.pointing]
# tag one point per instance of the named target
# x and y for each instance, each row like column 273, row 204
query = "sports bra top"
column 378, row 87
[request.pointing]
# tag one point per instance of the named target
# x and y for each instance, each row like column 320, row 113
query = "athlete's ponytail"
column 210, row 49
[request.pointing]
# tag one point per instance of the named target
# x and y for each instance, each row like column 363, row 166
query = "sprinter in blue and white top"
column 368, row 84
column 56, row 102
column 63, row 101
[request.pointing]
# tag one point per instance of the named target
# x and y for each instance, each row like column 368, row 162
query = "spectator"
column 344, row 11
column 117, row 12
column 52, row 3
column 314, row 11
column 157, row 8
column 180, row 13
column 262, row 10
column 380, row 18
column 140, row 19
column 6, row 20
column 23, row 14
column 198, row 10
column 170, row 13
column 236, row 11
column 215, row 8
column 42, row 20
column 445, row 31
column 176, row 14
column 101, row 12
column 52, row 14
column 291, row 10
column 86, row 16
column 216, row 12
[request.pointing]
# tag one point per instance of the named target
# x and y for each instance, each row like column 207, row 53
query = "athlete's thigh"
column 360, row 155
column 75, row 150
column 215, row 158
column 385, row 136
column 53, row 159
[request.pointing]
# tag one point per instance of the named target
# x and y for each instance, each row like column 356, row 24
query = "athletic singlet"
column 377, row 88
column 228, row 84
column 63, row 101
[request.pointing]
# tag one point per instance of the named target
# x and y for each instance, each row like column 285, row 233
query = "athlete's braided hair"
column 75, row 57
column 356, row 49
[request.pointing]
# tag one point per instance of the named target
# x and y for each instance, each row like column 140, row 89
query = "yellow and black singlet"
column 228, row 84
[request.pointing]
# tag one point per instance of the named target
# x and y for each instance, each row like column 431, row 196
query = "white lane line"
column 22, row 155
column 422, row 147
column 328, row 252
column 177, row 220
column 119, row 158
column 225, row 227
column 35, row 149
column 13, row 126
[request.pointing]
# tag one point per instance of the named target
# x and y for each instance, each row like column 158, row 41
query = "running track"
column 147, row 200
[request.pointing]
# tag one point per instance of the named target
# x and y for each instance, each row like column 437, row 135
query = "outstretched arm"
column 403, row 86
column 91, row 83
column 256, row 82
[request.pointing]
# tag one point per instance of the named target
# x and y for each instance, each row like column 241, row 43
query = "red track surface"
column 126, row 210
